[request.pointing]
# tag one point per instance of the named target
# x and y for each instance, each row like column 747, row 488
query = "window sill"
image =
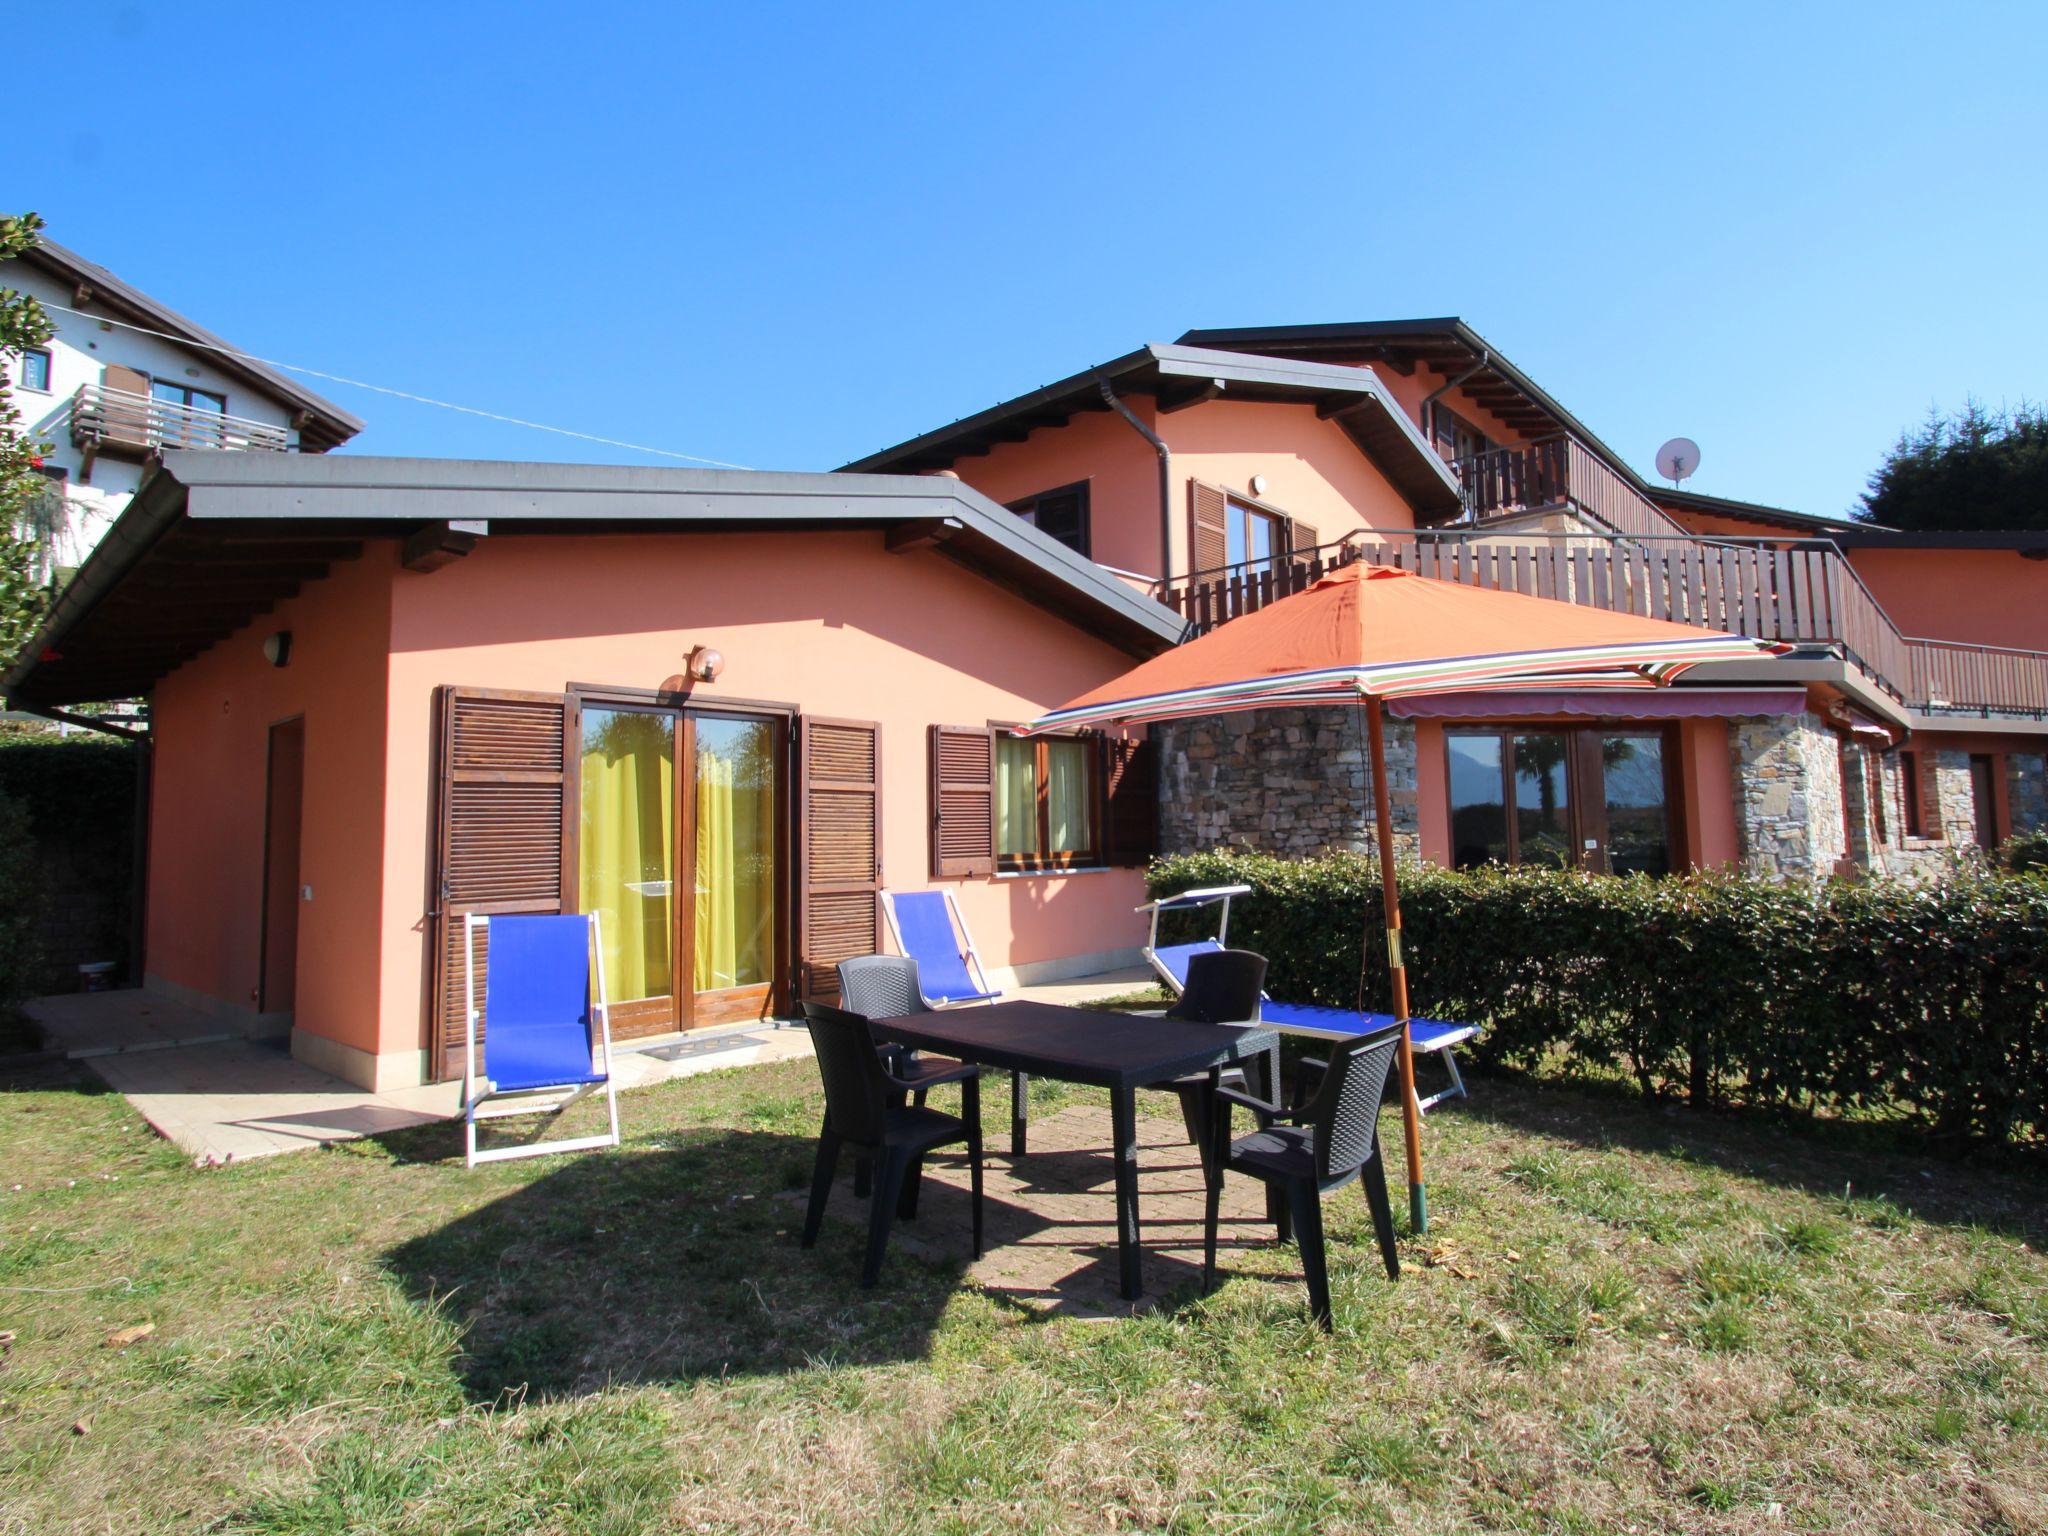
column 1054, row 873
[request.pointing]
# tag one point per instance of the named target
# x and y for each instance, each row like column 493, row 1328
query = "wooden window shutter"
column 1130, row 800
column 1208, row 541
column 841, row 858
column 963, row 801
column 1300, row 537
column 501, row 839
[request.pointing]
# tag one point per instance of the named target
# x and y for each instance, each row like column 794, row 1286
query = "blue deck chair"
column 1430, row 1036
column 927, row 926
column 550, row 1035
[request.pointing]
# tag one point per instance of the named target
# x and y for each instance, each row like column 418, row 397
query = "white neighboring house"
column 108, row 399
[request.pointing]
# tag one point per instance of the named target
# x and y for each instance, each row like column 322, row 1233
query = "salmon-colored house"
column 725, row 709
column 387, row 693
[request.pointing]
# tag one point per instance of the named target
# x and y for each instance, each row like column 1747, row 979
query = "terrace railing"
column 1559, row 472
column 1799, row 591
column 118, row 420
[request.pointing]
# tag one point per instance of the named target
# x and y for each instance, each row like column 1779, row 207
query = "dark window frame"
column 1913, row 799
column 1027, row 508
column 1047, row 861
column 189, row 390
column 1584, row 779
column 49, row 370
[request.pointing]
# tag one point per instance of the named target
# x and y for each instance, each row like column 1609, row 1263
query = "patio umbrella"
column 1367, row 633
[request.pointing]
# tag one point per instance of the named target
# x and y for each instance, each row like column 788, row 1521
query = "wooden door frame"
column 684, row 706
column 1585, row 782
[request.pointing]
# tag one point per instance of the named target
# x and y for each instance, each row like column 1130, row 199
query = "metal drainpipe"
column 1165, row 475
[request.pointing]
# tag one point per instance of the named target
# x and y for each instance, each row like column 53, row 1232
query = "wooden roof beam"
column 429, row 548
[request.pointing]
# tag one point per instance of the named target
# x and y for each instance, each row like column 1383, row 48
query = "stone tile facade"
column 1788, row 796
column 2026, row 790
column 1288, row 781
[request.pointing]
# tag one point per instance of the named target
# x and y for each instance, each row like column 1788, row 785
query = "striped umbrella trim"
column 1631, row 666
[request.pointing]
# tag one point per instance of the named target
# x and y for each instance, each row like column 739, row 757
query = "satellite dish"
column 1677, row 459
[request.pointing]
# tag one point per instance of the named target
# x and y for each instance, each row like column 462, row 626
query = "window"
column 1455, row 437
column 183, row 394
column 1592, row 798
column 35, row 369
column 1060, row 514
column 1046, row 802
column 1912, row 795
column 1252, row 535
column 1873, row 788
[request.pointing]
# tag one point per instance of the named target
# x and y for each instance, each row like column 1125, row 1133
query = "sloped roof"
column 1176, row 374
column 215, row 538
column 326, row 424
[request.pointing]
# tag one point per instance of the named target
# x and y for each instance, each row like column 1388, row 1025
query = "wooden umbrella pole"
column 1390, row 893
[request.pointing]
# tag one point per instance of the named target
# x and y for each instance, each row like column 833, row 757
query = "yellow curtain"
column 1016, row 796
column 736, row 853
column 717, row 891
column 628, row 826
column 1069, row 806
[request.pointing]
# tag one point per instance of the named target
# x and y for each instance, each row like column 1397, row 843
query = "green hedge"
column 1928, row 1001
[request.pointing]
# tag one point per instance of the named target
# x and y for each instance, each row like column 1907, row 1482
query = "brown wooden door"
column 1984, row 798
column 502, row 842
column 285, row 799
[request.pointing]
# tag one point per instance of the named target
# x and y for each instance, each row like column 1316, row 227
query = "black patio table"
column 1118, row 1051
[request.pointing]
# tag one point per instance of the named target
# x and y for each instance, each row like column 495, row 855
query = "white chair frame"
column 480, row 1101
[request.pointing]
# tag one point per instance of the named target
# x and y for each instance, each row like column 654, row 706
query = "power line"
column 401, row 394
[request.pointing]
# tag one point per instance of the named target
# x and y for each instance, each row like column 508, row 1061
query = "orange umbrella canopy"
column 1369, row 630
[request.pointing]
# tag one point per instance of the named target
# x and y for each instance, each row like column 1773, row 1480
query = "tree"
column 1977, row 469
column 22, row 489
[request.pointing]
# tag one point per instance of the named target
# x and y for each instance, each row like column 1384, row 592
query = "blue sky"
column 784, row 236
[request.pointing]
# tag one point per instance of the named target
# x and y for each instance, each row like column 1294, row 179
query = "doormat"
column 682, row 1050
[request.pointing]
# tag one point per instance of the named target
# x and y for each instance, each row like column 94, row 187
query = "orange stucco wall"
column 211, row 724
column 1313, row 471
column 828, row 622
column 1100, row 447
column 1984, row 596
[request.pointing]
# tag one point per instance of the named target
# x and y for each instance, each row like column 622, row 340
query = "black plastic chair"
column 1225, row 986
column 885, row 987
column 1332, row 1141
column 864, row 1110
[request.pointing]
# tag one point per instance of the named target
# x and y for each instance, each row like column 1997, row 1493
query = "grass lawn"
column 1623, row 1319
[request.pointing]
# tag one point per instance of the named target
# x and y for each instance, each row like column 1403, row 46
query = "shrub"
column 2025, row 852
column 1931, row 1001
column 21, row 955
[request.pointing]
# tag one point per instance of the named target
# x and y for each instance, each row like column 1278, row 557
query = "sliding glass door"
column 681, row 853
column 1586, row 797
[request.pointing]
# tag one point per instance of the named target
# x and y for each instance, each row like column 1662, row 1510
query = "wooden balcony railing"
column 1803, row 591
column 118, row 421
column 1556, row 472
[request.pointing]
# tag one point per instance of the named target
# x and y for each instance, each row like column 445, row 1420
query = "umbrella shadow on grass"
column 673, row 1260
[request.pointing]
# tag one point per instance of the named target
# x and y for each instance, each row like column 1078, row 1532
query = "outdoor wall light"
column 277, row 649
column 705, row 663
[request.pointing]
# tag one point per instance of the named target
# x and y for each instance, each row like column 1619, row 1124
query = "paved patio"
column 1050, row 1216
column 223, row 1098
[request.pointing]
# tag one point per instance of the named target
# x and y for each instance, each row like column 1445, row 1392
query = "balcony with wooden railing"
column 1556, row 474
column 1800, row 591
column 129, row 425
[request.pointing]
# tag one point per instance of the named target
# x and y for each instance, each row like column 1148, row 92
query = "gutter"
column 1110, row 398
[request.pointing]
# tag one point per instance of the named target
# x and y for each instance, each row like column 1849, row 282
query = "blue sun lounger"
column 927, row 927
column 549, row 1037
column 1433, row 1036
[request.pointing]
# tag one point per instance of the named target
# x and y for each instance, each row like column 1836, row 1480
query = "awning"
column 1614, row 704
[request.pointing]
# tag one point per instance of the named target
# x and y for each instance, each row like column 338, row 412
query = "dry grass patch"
column 1623, row 1319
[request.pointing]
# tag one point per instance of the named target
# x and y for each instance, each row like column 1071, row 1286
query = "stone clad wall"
column 1788, row 796
column 1288, row 781
column 2026, row 790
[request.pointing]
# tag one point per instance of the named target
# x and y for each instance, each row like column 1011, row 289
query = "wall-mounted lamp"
column 704, row 663
column 277, row 648
column 1258, row 485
